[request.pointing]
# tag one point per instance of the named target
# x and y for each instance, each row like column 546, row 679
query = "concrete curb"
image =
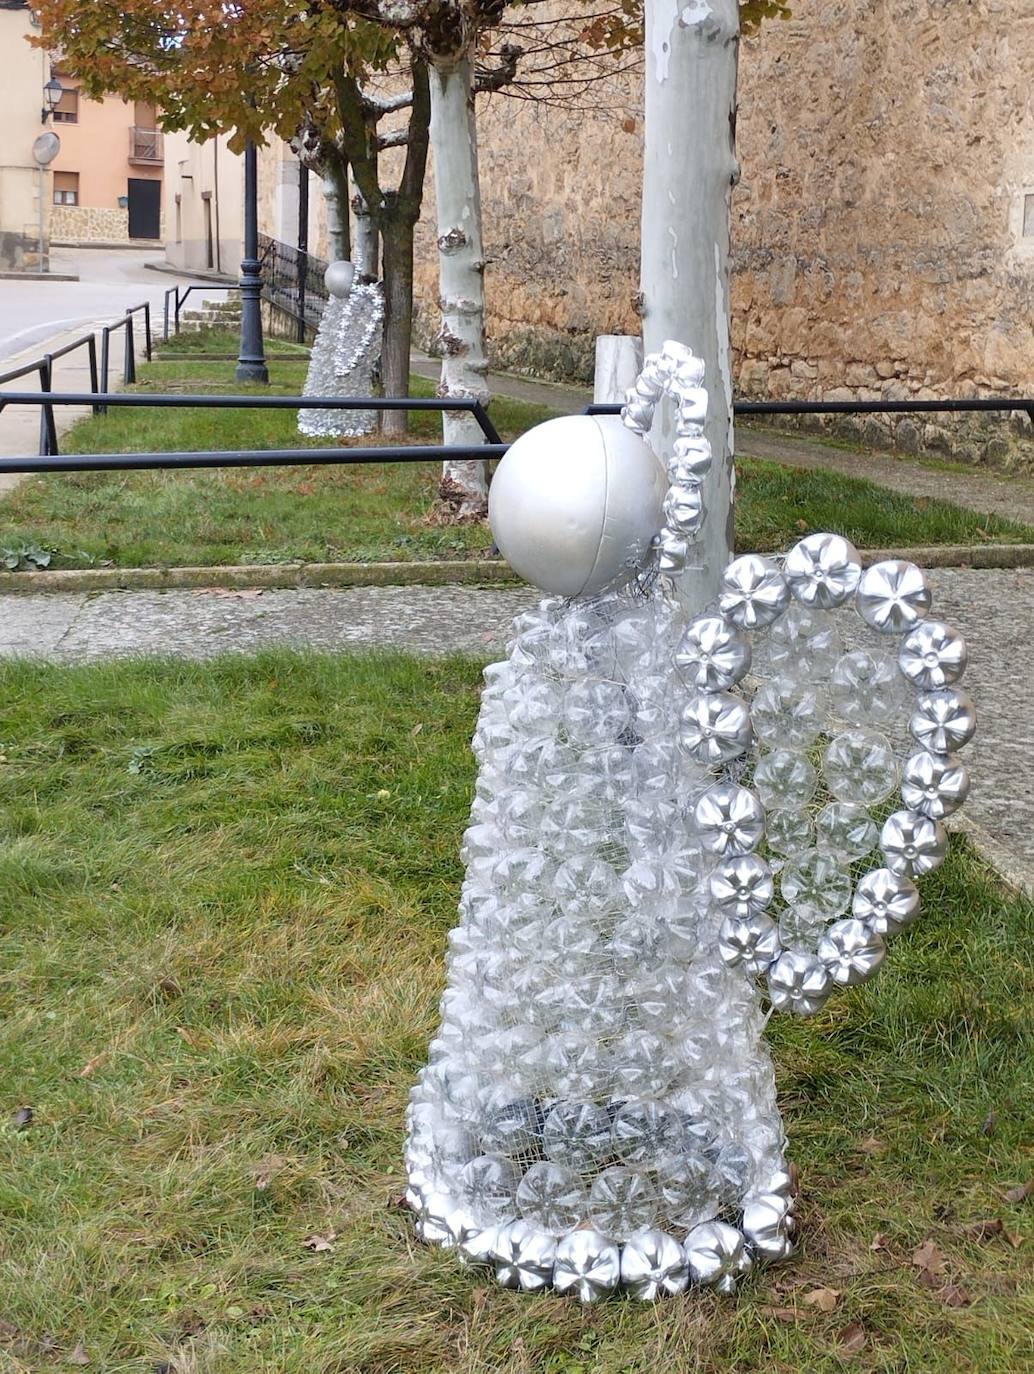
column 38, row 276
column 458, row 572
column 461, row 572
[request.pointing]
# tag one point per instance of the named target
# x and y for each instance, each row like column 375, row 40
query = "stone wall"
column 91, row 224
column 886, row 147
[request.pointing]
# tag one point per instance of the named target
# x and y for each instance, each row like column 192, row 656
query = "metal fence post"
column 129, row 368
column 91, row 350
column 105, row 362
column 147, row 328
column 47, row 427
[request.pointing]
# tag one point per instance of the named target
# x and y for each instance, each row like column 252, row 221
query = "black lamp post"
column 251, row 365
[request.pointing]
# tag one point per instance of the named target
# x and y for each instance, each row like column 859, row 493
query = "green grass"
column 372, row 512
column 225, row 896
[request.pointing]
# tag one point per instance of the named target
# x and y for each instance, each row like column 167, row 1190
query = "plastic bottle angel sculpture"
column 345, row 354
column 678, row 819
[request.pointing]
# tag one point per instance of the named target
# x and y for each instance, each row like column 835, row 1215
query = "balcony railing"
column 145, row 145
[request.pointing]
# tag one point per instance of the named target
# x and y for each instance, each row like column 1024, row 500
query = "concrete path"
column 37, row 316
column 993, row 609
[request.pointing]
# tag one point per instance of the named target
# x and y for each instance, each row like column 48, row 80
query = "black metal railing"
column 949, row 406
column 145, row 145
column 293, row 281
column 50, row 460
column 176, row 295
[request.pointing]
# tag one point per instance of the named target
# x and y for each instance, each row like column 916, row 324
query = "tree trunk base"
column 455, row 505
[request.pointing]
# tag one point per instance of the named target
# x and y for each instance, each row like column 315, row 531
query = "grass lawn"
column 226, row 890
column 370, row 513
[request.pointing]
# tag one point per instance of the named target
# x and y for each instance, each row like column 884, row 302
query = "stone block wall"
column 887, row 151
column 91, row 224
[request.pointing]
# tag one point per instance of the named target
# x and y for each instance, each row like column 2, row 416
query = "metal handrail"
column 949, row 405
column 178, row 296
column 492, row 448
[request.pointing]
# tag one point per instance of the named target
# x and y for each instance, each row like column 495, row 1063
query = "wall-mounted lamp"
column 52, row 93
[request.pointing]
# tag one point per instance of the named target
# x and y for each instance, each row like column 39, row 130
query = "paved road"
column 994, row 609
column 37, row 316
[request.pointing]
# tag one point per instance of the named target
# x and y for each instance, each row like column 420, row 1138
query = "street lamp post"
column 52, row 93
column 251, row 365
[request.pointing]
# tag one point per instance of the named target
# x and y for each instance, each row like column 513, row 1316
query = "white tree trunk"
column 688, row 175
column 367, row 257
column 335, row 193
column 464, row 487
column 619, row 359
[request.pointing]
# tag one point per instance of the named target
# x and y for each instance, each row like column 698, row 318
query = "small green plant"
column 26, row 557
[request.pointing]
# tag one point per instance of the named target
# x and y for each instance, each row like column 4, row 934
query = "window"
column 1028, row 216
column 67, row 109
column 66, row 188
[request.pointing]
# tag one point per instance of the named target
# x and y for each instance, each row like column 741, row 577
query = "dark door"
column 145, row 208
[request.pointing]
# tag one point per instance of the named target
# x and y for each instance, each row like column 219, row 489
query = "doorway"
column 145, row 208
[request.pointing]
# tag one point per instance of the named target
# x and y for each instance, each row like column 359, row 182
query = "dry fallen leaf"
column 990, row 1122
column 417, row 728
column 78, row 1355
column 267, row 1169
column 954, row 1296
column 319, row 1243
column 1021, row 1192
column 871, row 1146
column 880, row 1241
column 851, row 1340
column 94, row 1063
column 781, row 1314
column 23, row 1118
column 929, row 1258
column 825, row 1299
column 984, row 1230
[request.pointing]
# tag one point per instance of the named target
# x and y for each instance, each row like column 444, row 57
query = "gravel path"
column 993, row 609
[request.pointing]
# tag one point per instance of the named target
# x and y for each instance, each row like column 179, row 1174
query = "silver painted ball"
column 933, row 655
column 823, row 570
column 339, row 278
column 653, row 1264
column 715, row 728
column 885, row 901
column 767, row 1225
column 893, row 596
column 588, row 1265
column 716, row 1255
column 799, row 982
column 713, row 655
column 575, row 503
column 749, row 942
column 944, row 720
column 524, row 1257
column 754, row 592
column 852, row 951
column 934, row 784
column 912, row 844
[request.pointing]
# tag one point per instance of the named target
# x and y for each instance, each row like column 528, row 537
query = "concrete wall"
column 204, row 201
column 26, row 71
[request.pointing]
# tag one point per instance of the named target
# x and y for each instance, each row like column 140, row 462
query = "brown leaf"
column 267, row 1169
column 9, row 1333
column 188, row 1037
column 94, row 1063
column 990, row 1122
column 880, row 1241
column 825, row 1299
column 795, row 1178
column 929, row 1258
column 954, row 1296
column 871, row 1146
column 984, row 1230
column 1014, row 1238
column 78, row 1355
column 319, row 1243
column 851, row 1340
column 23, row 1118
column 1021, row 1192
column 781, row 1314
column 417, row 728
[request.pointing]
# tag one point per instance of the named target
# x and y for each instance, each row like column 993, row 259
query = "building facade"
column 25, row 190
column 105, row 183
column 205, row 194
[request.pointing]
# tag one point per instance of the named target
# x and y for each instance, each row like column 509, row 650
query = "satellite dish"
column 46, row 149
